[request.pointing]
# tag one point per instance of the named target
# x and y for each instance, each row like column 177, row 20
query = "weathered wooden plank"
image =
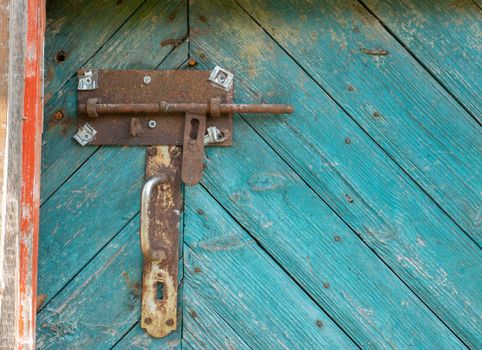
column 90, row 24
column 31, row 159
column 13, row 26
column 138, row 339
column 87, row 212
column 316, row 248
column 391, row 97
column 445, row 37
column 135, row 46
column 102, row 303
column 363, row 186
column 203, row 328
column 240, row 282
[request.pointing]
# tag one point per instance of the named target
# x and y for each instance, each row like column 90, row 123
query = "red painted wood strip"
column 31, row 149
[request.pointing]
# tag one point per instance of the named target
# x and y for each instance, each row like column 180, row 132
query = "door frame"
column 22, row 31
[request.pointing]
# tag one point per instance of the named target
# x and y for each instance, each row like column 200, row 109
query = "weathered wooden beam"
column 21, row 46
column 31, row 158
column 12, row 50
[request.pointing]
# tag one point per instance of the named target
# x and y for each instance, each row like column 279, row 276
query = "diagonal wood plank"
column 137, row 338
column 396, row 102
column 201, row 327
column 103, row 301
column 136, row 45
column 445, row 37
column 240, row 282
column 86, row 213
column 364, row 187
column 316, row 248
column 67, row 50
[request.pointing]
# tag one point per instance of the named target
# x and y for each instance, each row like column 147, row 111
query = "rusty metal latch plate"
column 145, row 87
column 160, row 211
column 163, row 110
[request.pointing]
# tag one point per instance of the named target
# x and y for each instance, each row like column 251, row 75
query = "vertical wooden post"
column 21, row 46
column 31, row 157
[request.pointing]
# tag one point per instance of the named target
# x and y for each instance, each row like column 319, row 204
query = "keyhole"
column 194, row 129
column 159, row 290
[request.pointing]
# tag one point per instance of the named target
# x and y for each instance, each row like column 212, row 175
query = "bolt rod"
column 198, row 108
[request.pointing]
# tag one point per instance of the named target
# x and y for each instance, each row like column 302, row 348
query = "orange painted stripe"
column 31, row 153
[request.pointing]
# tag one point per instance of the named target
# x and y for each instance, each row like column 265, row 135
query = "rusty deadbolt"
column 176, row 114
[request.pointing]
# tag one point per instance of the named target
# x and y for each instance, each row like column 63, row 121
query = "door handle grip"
column 146, row 195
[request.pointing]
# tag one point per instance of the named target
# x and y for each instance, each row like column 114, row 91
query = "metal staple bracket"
column 180, row 113
column 85, row 134
column 88, row 79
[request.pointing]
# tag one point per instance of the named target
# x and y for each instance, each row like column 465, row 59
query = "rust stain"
column 40, row 300
column 374, row 52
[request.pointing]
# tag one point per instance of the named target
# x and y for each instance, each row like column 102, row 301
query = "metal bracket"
column 167, row 109
column 85, row 134
column 88, row 79
column 222, row 77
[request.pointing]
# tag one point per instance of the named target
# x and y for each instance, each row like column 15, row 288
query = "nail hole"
column 60, row 56
column 159, row 290
column 194, row 129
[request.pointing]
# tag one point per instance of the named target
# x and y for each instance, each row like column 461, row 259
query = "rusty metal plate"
column 116, row 87
column 161, row 252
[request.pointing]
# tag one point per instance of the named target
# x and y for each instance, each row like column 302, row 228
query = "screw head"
column 147, row 79
column 152, row 124
column 58, row 115
column 192, row 62
column 152, row 151
column 221, row 77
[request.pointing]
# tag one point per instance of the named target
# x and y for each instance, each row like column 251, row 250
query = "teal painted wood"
column 136, row 45
column 102, row 303
column 87, row 212
column 227, row 269
column 202, row 327
column 82, row 40
column 391, row 97
column 365, row 188
column 138, row 339
column 315, row 247
column 445, row 36
column 301, row 233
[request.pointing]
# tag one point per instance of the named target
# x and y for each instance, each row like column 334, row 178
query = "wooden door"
column 352, row 223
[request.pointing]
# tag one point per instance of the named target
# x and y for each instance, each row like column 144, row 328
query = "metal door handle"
column 146, row 195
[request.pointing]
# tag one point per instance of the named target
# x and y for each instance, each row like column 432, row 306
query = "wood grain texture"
column 391, row 97
column 445, row 36
column 390, row 214
column 239, row 281
column 87, row 212
column 102, row 303
column 310, row 192
column 31, row 159
column 74, row 230
column 136, row 45
column 202, row 325
column 90, row 24
column 316, row 248
column 13, row 26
